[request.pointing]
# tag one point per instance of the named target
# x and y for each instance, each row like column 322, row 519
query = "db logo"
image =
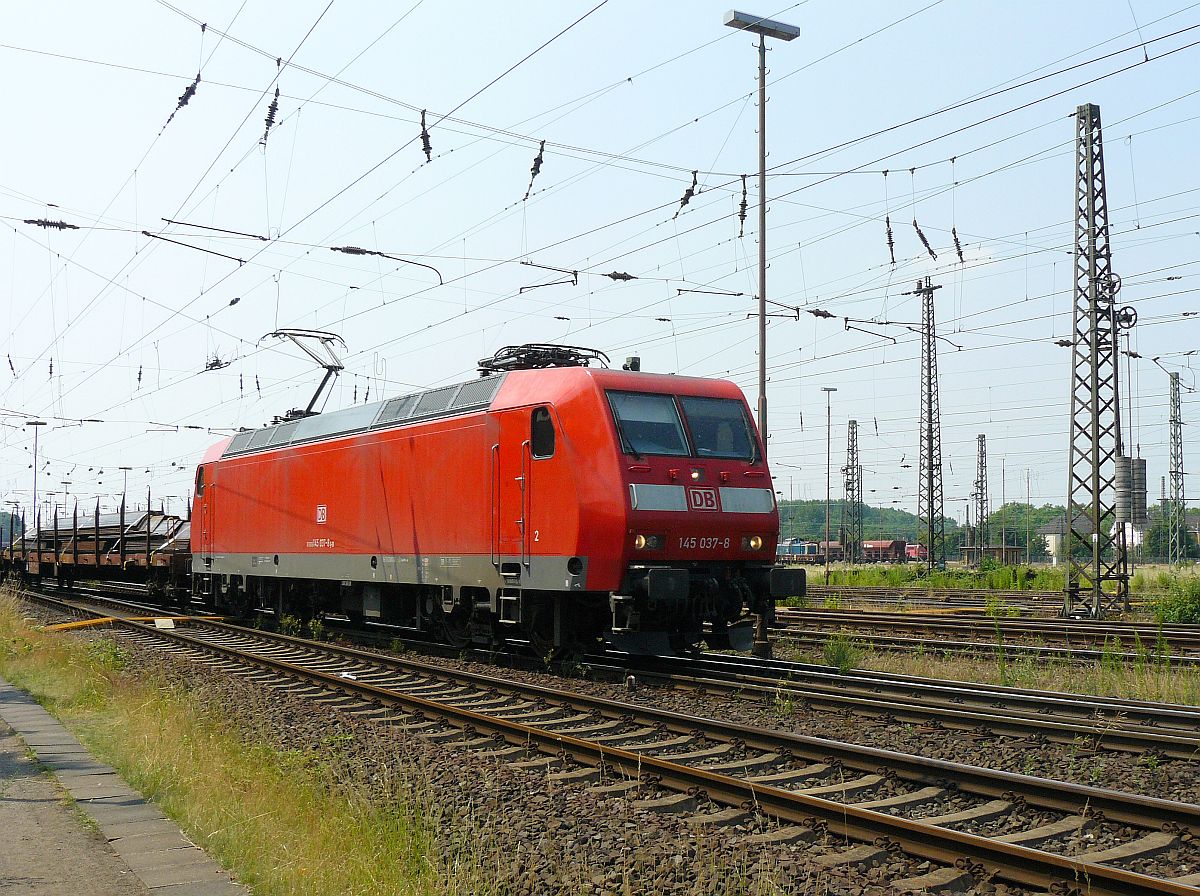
column 703, row 499
column 322, row 514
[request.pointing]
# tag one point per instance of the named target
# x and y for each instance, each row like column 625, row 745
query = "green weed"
column 842, row 652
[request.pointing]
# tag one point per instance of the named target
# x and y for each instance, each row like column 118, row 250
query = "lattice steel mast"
column 930, row 502
column 1162, row 507
column 1096, row 553
column 1176, row 509
column 980, row 495
column 853, row 508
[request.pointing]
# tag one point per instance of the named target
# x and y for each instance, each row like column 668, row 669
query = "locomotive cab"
column 702, row 519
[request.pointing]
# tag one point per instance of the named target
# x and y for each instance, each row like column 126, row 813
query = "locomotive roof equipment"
column 538, row 356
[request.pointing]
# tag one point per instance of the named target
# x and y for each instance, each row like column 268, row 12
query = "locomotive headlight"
column 752, row 543
column 639, row 541
column 648, row 542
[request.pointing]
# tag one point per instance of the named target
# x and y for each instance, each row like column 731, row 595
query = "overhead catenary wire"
column 493, row 81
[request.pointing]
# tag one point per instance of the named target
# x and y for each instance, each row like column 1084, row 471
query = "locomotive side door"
column 204, row 496
column 510, row 493
column 202, row 537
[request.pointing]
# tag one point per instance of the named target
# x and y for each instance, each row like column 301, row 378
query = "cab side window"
column 541, row 433
column 199, row 481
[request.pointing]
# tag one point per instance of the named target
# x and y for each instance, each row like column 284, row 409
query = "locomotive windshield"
column 650, row 424
column 719, row 428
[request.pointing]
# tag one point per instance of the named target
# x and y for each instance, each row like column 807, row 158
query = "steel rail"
column 841, row 694
column 1077, row 655
column 918, row 590
column 1169, row 744
column 978, row 595
column 1147, row 712
column 1065, row 630
column 1018, row 864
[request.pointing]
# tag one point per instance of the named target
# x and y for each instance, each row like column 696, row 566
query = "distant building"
column 1055, row 533
column 1005, row 555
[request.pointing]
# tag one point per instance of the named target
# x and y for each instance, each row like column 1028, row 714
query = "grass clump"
column 994, row 606
column 842, row 652
column 1180, row 603
column 991, row 575
column 1148, row 675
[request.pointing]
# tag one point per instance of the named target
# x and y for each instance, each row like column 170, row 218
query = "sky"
column 140, row 333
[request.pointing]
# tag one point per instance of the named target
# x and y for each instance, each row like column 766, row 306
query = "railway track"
column 970, row 822
column 1098, row 723
column 1073, row 640
column 1094, row 723
column 1038, row 603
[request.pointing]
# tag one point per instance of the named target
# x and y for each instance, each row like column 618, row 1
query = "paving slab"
column 197, row 873
column 64, row 750
column 144, row 827
column 37, row 726
column 103, row 786
column 137, row 850
column 48, row 738
column 176, row 857
column 202, row 888
column 105, row 811
column 151, row 841
column 77, row 768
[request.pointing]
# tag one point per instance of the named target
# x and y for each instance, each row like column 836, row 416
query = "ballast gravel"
column 523, row 833
column 1172, row 779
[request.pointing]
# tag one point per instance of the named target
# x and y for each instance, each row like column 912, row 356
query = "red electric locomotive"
column 548, row 502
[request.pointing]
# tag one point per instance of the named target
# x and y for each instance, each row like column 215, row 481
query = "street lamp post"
column 828, row 390
column 764, row 28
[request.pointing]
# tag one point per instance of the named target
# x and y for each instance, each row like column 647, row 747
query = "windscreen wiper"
column 625, row 443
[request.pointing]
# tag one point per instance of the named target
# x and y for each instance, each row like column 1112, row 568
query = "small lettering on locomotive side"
column 320, row 543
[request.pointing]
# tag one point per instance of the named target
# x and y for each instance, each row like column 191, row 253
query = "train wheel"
column 538, row 629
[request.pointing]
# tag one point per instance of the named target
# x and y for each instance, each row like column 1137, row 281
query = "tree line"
column 1015, row 524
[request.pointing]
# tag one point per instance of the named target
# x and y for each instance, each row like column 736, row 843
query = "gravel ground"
column 533, row 835
column 1165, row 778
column 539, row 836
